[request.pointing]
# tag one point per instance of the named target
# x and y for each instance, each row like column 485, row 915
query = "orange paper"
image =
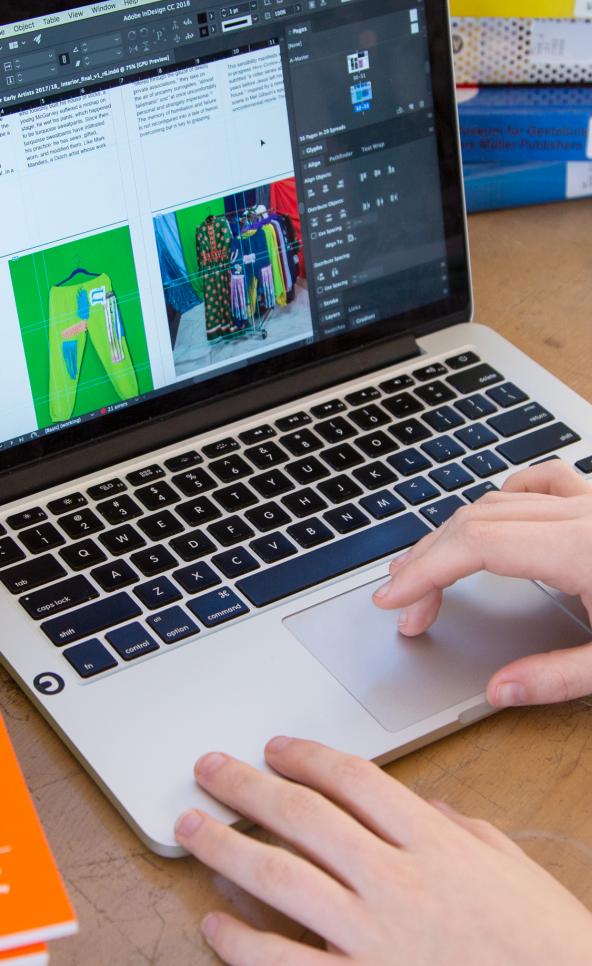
column 36, row 955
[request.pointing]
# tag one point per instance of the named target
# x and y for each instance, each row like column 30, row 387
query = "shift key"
column 90, row 620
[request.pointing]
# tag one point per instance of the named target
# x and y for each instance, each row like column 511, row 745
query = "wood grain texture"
column 529, row 771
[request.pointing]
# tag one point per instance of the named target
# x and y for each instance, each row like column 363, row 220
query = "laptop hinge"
column 153, row 434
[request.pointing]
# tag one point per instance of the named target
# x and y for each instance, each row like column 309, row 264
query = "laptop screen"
column 191, row 191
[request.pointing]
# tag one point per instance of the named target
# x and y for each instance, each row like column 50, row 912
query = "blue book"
column 489, row 186
column 522, row 124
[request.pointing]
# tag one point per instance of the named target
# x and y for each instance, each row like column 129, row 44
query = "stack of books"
column 524, row 76
column 34, row 905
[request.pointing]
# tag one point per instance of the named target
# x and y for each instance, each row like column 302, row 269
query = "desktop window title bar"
column 76, row 14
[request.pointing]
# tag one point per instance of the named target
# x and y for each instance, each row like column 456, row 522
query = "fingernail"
column 278, row 744
column 382, row 591
column 403, row 618
column 210, row 763
column 209, row 926
column 187, row 824
column 509, row 695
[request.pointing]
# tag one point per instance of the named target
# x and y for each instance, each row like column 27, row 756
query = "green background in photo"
column 32, row 278
column 189, row 220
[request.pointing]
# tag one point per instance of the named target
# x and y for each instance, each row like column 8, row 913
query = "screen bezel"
column 230, row 387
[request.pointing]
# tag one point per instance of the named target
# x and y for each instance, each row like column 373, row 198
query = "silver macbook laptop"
column 239, row 375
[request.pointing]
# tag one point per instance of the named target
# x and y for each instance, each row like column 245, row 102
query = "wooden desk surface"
column 526, row 770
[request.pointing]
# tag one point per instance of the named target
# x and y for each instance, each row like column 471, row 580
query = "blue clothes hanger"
column 78, row 271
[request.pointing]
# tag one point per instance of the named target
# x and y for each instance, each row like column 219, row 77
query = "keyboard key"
column 475, row 493
column 304, row 503
column 266, row 455
column 443, row 448
column 342, row 457
column 471, row 380
column 114, row 576
column 507, row 395
column 475, row 407
column 18, row 521
column 438, row 513
column 331, row 408
column 172, row 625
column 476, row 436
column 237, row 497
column 410, row 432
column 269, row 485
column 519, row 420
column 584, row 465
column 273, row 548
column 52, row 600
column 485, row 464
column 83, row 554
column 382, row 504
column 403, row 405
column 81, row 524
column 230, row 531
column 160, row 526
column 146, row 475
column 196, row 578
column 91, row 619
column 251, row 437
column 122, row 540
column 42, row 538
column 90, row 658
column 231, row 468
column 192, row 546
column 236, row 562
column 363, row 396
column 31, row 574
column 154, row 560
column 219, row 607
column 10, row 552
column 194, row 482
column 267, row 517
column 310, row 569
column 66, row 503
column 308, row 470
column 221, row 447
column 417, row 491
column 109, row 488
column 347, row 518
column 294, row 421
column 199, row 511
column 435, row 393
column 451, row 477
column 119, row 509
column 537, row 444
column 340, row 489
column 374, row 475
column 132, row 641
column 157, row 496
column 302, row 443
column 409, row 462
column 463, row 361
column 157, row 593
column 433, row 371
column 395, row 385
column 185, row 461
column 2, row 530
column 443, row 419
column 310, row 533
column 336, row 430
column 369, row 418
column 376, row 444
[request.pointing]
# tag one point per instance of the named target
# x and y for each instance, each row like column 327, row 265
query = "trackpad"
column 485, row 622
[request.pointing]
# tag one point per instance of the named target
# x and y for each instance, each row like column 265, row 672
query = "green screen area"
column 33, row 277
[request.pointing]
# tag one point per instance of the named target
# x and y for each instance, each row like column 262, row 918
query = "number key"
column 81, row 524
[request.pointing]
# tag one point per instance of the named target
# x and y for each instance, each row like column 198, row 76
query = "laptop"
column 239, row 376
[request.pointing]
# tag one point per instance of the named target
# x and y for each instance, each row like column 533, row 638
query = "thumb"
column 543, row 678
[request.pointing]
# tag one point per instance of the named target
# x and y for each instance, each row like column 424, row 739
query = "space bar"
column 332, row 560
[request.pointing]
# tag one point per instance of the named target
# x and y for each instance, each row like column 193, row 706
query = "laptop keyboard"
column 134, row 565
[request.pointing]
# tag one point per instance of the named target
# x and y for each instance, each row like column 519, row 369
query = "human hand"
column 382, row 876
column 539, row 527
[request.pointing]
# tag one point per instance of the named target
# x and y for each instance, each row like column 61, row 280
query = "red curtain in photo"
column 284, row 199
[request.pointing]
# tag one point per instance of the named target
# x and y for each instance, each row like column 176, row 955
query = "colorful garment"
column 213, row 240
column 278, row 275
column 87, row 307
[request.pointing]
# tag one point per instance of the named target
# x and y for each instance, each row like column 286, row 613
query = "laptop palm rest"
column 485, row 622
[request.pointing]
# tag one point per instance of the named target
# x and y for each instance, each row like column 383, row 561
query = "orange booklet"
column 25, row 956
column 34, row 905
